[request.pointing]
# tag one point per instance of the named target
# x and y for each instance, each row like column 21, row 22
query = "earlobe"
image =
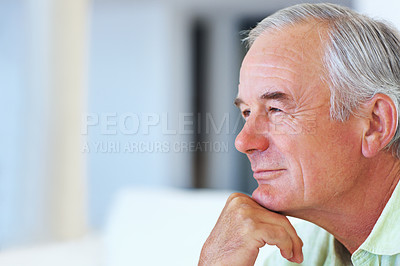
column 381, row 115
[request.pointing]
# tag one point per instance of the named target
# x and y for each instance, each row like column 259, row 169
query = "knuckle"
column 250, row 225
column 237, row 202
column 234, row 197
column 243, row 214
column 247, row 226
column 245, row 221
column 298, row 242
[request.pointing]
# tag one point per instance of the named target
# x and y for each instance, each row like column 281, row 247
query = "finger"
column 277, row 235
column 297, row 243
column 283, row 234
column 297, row 250
column 279, row 219
column 297, row 247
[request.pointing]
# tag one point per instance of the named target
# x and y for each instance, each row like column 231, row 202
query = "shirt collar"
column 386, row 229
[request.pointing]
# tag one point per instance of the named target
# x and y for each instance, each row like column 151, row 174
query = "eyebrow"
column 238, row 102
column 274, row 95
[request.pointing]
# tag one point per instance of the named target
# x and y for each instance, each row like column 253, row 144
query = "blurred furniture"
column 163, row 227
column 145, row 227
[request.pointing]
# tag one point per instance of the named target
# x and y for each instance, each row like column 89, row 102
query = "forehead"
column 288, row 59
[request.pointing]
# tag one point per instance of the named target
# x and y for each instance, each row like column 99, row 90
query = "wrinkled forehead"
column 292, row 56
column 300, row 44
column 268, row 60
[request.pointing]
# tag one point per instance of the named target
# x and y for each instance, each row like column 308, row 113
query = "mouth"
column 263, row 176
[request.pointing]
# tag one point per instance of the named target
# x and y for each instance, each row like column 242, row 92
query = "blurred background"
column 110, row 103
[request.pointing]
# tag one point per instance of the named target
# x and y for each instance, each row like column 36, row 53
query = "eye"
column 274, row 110
column 246, row 113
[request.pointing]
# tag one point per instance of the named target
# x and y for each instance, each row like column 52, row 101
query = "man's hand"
column 243, row 228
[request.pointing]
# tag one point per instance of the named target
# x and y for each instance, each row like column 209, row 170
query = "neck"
column 350, row 217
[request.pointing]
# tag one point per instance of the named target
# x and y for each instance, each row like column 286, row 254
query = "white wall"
column 11, row 104
column 384, row 9
column 132, row 70
column 42, row 66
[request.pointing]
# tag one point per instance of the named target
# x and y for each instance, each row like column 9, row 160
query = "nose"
column 251, row 138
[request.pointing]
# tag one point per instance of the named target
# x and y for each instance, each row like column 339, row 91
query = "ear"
column 381, row 125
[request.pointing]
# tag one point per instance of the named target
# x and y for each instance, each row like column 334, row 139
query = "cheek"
column 326, row 163
column 320, row 158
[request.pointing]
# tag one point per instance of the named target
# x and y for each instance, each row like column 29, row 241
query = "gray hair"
column 361, row 56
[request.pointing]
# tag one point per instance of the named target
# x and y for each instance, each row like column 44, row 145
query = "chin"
column 270, row 199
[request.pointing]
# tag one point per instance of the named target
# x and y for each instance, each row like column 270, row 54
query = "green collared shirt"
column 382, row 246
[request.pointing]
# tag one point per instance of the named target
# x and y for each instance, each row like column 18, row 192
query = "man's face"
column 301, row 158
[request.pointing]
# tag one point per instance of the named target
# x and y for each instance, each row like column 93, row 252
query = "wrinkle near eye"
column 287, row 124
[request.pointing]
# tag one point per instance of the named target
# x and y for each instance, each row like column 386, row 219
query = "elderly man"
column 319, row 91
